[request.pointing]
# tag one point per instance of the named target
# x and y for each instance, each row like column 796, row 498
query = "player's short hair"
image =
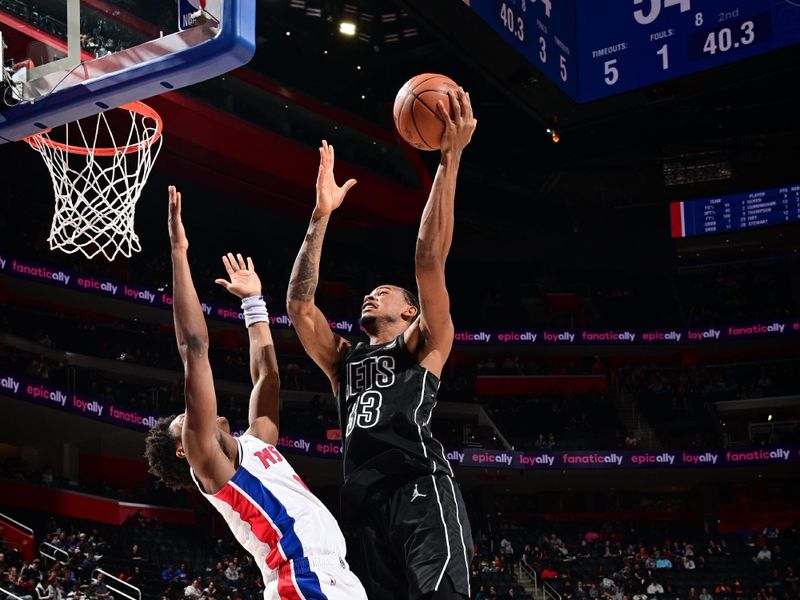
column 160, row 454
column 412, row 299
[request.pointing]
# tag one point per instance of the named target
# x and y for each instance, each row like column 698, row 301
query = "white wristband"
column 255, row 310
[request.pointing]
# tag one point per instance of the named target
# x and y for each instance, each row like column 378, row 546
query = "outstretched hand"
column 177, row 234
column 458, row 129
column 244, row 281
column 329, row 194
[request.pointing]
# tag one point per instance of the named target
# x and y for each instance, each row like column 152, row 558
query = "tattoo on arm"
column 305, row 273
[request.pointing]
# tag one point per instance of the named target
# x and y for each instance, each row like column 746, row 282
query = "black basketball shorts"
column 407, row 539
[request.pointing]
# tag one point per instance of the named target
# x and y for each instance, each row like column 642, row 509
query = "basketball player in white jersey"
column 293, row 538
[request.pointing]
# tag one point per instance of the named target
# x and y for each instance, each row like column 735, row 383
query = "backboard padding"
column 163, row 63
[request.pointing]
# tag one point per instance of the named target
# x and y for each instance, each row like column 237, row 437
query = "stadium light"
column 347, row 28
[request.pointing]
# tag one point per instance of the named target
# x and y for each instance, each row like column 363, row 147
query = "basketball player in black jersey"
column 399, row 499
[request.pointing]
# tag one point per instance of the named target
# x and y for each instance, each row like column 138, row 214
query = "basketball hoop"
column 98, row 181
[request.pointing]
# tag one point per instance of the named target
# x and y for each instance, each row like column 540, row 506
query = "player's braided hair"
column 160, row 454
column 411, row 298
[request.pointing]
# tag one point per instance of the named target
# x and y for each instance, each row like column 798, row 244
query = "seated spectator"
column 101, row 589
column 220, row 580
column 27, row 585
column 655, row 589
column 42, row 592
column 232, row 572
column 662, row 562
column 776, row 553
column 705, row 595
column 670, row 593
column 31, row 569
column 10, row 581
column 47, row 476
column 169, row 574
column 506, row 548
column 764, row 555
column 548, row 572
column 193, row 590
column 688, row 563
column 631, row 441
column 723, row 590
column 136, row 577
column 791, row 579
column 499, row 566
column 54, row 588
column 566, row 591
column 771, row 532
column 220, row 550
column 775, row 580
column 212, row 591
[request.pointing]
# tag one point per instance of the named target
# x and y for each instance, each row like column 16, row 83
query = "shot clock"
column 592, row 49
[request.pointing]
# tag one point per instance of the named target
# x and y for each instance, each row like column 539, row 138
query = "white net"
column 97, row 188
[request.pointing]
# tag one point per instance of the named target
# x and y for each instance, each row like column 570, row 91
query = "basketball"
column 415, row 109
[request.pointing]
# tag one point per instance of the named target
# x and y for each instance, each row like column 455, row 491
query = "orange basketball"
column 415, row 109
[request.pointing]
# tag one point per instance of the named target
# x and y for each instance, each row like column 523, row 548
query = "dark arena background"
column 622, row 403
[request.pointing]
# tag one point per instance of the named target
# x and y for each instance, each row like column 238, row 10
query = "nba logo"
column 188, row 11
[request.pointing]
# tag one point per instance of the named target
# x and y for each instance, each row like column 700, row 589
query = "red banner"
column 17, row 538
column 84, row 506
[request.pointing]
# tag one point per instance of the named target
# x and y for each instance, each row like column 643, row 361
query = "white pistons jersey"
column 294, row 539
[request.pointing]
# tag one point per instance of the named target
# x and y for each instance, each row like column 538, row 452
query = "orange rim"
column 140, row 108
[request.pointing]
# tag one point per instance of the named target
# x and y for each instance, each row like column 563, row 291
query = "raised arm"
column 431, row 338
column 264, row 408
column 192, row 336
column 322, row 345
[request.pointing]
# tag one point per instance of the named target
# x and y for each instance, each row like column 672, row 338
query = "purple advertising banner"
column 48, row 394
column 625, row 459
column 149, row 296
column 59, row 398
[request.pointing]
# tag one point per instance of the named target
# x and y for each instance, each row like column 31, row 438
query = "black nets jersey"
column 386, row 401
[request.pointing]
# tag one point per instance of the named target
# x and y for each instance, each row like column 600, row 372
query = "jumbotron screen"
column 725, row 214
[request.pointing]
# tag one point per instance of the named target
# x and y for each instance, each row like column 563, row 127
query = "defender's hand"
column 329, row 194
column 177, row 234
column 244, row 281
column 459, row 129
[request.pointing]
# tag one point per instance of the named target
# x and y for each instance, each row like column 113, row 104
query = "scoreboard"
column 592, row 49
column 543, row 31
column 777, row 206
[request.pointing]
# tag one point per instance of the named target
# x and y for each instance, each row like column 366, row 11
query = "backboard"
column 69, row 59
